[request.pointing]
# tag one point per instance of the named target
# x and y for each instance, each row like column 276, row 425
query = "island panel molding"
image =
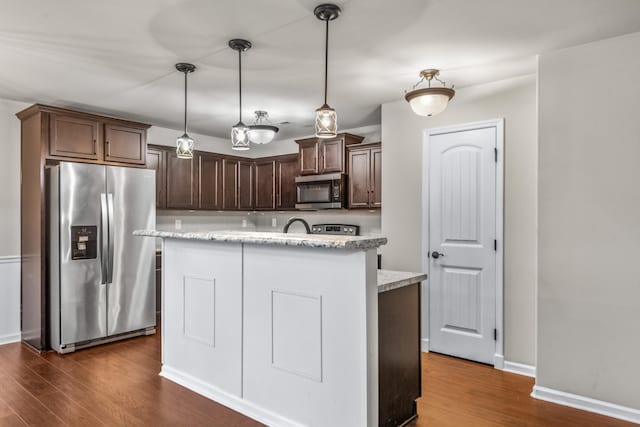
column 296, row 333
column 187, row 312
column 198, row 319
column 344, row 345
column 287, row 351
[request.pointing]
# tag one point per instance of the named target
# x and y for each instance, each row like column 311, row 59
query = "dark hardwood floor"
column 118, row 385
column 459, row 393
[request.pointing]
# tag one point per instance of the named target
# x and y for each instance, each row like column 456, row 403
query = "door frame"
column 498, row 357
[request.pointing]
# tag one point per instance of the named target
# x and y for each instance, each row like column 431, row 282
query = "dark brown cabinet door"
column 359, row 178
column 74, row 137
column 229, row 184
column 209, row 181
column 376, row 177
column 124, row 144
column 265, row 184
column 286, row 172
column 245, row 185
column 182, row 187
column 331, row 155
column 156, row 160
column 309, row 158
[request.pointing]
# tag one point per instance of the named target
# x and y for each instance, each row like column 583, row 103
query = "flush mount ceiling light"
column 261, row 132
column 240, row 131
column 429, row 101
column 326, row 118
column 184, row 144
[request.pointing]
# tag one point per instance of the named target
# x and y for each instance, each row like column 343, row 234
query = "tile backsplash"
column 369, row 221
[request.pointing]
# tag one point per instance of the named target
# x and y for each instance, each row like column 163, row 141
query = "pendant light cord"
column 240, row 83
column 326, row 60
column 185, row 102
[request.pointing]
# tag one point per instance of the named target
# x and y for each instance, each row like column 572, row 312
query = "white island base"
column 284, row 334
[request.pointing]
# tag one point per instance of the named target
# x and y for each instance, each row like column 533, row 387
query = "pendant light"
column 326, row 118
column 429, row 101
column 184, row 144
column 261, row 132
column 240, row 132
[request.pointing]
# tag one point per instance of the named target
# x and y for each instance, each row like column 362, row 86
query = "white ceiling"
column 117, row 56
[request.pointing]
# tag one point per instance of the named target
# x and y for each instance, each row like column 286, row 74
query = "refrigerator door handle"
column 111, row 236
column 104, row 239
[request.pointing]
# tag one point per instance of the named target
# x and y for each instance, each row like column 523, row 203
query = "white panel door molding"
column 462, row 233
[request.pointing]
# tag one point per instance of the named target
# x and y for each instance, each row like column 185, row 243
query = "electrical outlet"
column 178, row 224
column 244, row 223
column 274, row 222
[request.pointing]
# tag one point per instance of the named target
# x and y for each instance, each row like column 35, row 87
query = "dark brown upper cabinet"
column 124, row 144
column 84, row 137
column 286, row 172
column 182, row 186
column 320, row 156
column 213, row 181
column 230, row 184
column 246, row 199
column 309, row 157
column 74, row 136
column 209, row 181
column 265, row 184
column 365, row 173
column 332, row 155
column 156, row 160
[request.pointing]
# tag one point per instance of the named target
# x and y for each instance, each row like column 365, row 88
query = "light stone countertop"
column 270, row 238
column 389, row 279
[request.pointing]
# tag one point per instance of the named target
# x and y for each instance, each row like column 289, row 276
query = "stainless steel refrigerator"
column 101, row 277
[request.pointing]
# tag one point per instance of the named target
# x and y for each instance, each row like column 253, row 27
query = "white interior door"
column 462, row 233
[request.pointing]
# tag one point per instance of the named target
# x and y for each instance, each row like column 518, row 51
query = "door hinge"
column 495, row 153
column 495, row 335
column 495, row 245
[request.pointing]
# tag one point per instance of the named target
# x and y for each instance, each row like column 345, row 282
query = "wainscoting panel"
column 9, row 299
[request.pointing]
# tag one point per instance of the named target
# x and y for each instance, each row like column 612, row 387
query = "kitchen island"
column 280, row 327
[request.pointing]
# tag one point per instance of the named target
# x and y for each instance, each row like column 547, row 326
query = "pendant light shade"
column 326, row 117
column 184, row 144
column 326, row 122
column 429, row 101
column 240, row 132
column 261, row 132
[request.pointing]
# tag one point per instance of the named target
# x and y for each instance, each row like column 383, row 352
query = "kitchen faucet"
column 294, row 219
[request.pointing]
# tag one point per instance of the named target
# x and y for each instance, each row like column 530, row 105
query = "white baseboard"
column 519, row 368
column 424, row 345
column 229, row 400
column 586, row 404
column 498, row 361
column 11, row 338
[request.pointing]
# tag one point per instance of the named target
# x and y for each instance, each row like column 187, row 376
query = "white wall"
column 10, row 177
column 10, row 220
column 589, row 221
column 402, row 136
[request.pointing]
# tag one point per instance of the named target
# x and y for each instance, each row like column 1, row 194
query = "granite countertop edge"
column 389, row 280
column 275, row 239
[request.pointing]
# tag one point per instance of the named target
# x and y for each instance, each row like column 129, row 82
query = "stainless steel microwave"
column 321, row 191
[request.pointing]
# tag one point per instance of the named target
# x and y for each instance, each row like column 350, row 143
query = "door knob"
column 436, row 254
